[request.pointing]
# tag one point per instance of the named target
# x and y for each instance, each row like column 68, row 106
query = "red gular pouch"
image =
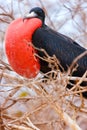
column 19, row 48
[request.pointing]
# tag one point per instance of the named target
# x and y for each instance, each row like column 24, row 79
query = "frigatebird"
column 54, row 43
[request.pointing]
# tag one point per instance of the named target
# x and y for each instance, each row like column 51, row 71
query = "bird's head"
column 36, row 12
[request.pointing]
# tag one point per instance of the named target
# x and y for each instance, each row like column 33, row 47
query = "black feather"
column 63, row 47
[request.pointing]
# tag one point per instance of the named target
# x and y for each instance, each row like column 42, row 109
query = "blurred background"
column 68, row 17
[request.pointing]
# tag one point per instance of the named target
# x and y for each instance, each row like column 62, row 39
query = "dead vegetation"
column 43, row 103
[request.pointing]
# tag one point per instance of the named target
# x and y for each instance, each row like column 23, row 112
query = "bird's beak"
column 30, row 15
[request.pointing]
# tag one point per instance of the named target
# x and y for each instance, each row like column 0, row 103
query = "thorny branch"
column 50, row 94
column 75, row 62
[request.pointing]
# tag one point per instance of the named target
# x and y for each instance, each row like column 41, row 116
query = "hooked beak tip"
column 24, row 18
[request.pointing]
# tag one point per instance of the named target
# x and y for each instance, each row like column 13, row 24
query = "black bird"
column 54, row 43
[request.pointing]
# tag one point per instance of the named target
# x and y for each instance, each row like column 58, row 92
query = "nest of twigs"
column 41, row 103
